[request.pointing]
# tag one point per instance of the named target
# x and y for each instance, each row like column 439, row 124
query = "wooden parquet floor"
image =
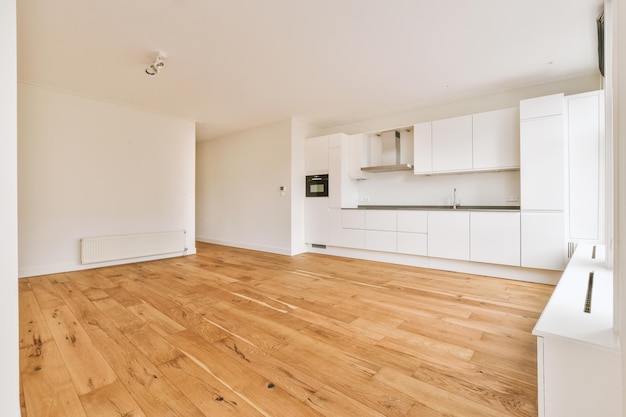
column 231, row 332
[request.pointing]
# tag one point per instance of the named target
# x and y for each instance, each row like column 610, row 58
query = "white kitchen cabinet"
column 342, row 190
column 449, row 234
column 334, row 227
column 415, row 221
column 585, row 115
column 412, row 243
column 380, row 220
column 380, row 230
column 495, row 237
column 542, row 154
column 358, row 150
column 380, row 240
column 452, row 144
column 543, row 240
column 422, row 148
column 316, row 220
column 412, row 227
column 316, row 155
column 541, row 106
column 353, row 238
column 353, row 219
column 496, row 142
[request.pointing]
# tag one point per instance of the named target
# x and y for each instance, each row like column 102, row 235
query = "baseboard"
column 69, row 267
column 242, row 245
column 539, row 276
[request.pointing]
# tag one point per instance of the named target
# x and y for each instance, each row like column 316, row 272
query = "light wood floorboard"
column 231, row 332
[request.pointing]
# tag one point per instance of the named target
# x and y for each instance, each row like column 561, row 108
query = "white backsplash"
column 473, row 189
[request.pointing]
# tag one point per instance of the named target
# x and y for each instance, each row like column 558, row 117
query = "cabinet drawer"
column 353, row 219
column 380, row 240
column 353, row 238
column 415, row 221
column 380, row 220
column 412, row 243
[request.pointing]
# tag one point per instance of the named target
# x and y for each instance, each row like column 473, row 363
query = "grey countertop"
column 435, row 207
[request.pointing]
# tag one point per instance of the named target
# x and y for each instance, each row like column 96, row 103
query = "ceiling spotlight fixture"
column 155, row 67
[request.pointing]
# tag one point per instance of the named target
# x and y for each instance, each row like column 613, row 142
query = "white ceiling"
column 235, row 64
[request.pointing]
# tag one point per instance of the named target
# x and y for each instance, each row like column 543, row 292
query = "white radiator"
column 112, row 248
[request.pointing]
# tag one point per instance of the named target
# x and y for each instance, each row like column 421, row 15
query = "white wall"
column 93, row 168
column 238, row 201
column 9, row 346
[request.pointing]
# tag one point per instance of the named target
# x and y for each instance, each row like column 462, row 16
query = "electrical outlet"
column 511, row 199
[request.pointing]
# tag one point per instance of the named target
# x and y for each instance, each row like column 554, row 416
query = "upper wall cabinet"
column 422, row 148
column 342, row 191
column 480, row 142
column 358, row 146
column 496, row 139
column 452, row 144
column 316, row 155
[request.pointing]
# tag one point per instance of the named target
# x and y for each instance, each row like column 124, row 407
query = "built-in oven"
column 317, row 185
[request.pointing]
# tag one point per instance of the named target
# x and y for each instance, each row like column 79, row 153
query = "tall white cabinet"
column 585, row 183
column 542, row 182
column 328, row 155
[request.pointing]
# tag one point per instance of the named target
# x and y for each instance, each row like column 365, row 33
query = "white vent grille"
column 112, row 248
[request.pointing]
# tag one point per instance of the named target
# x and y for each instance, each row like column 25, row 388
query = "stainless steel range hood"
column 390, row 154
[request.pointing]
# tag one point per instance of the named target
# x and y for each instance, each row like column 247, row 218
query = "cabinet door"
column 415, row 221
column 358, row 146
column 380, row 240
column 452, row 144
column 334, row 227
column 316, row 155
column 542, row 155
column 412, row 243
column 584, row 141
column 334, row 177
column 495, row 237
column 342, row 191
column 496, row 139
column 380, row 220
column 353, row 219
column 353, row 238
column 448, row 234
column 316, row 220
column 422, row 148
column 541, row 106
column 543, row 241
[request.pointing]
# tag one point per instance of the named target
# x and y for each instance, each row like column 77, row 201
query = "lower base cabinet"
column 543, row 240
column 380, row 240
column 316, row 220
column 495, row 237
column 353, row 238
column 413, row 243
column 449, row 234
